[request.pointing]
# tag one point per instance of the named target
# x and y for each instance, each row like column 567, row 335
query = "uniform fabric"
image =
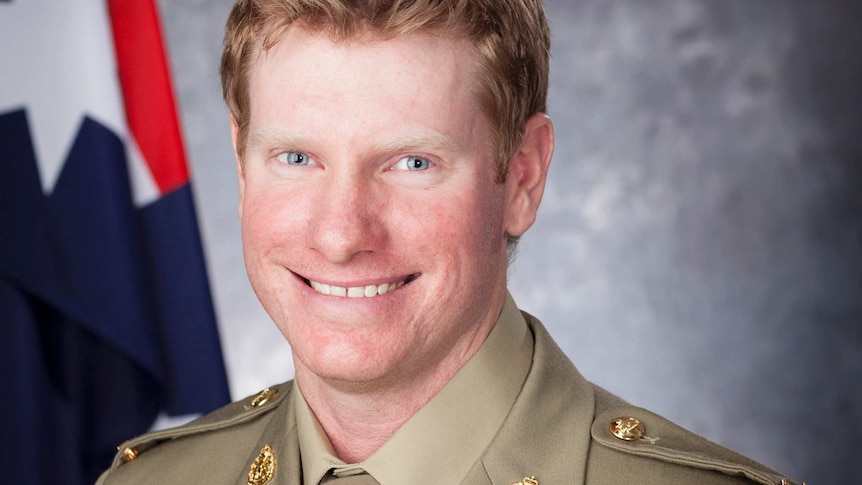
column 557, row 431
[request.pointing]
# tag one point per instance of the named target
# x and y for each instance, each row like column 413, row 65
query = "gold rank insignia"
column 627, row 429
column 527, row 481
column 263, row 397
column 630, row 429
column 263, row 468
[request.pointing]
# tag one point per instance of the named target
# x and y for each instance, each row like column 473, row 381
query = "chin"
column 341, row 359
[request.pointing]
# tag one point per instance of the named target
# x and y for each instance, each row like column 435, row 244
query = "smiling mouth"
column 367, row 291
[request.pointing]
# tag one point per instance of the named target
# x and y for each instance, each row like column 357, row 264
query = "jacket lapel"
column 547, row 432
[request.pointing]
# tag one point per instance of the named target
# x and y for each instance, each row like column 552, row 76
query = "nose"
column 346, row 219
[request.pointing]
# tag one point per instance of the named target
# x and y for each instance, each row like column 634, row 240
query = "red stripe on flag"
column 149, row 101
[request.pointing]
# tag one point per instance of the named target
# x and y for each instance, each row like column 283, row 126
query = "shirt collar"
column 315, row 450
column 448, row 435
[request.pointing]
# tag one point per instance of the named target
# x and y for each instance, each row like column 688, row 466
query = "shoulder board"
column 637, row 432
column 233, row 414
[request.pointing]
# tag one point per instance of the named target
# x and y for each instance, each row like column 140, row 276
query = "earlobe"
column 234, row 134
column 527, row 174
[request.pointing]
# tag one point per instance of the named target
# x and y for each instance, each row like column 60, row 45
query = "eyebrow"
column 420, row 141
column 423, row 140
column 267, row 137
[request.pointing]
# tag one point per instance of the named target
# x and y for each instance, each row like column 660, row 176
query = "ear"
column 528, row 170
column 234, row 133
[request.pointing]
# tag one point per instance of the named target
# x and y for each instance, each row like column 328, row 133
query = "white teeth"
column 367, row 291
column 320, row 287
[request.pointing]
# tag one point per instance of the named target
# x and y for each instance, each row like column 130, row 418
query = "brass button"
column 130, row 454
column 263, row 397
column 627, row 429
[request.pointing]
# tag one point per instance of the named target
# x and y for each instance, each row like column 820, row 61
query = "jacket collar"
column 554, row 411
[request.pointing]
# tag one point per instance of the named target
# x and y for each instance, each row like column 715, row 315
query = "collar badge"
column 263, row 468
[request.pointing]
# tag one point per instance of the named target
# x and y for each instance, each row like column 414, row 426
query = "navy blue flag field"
column 106, row 318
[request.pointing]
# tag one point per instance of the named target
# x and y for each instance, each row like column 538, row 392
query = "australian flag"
column 106, row 318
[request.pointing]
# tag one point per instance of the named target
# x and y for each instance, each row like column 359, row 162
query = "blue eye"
column 293, row 158
column 412, row 163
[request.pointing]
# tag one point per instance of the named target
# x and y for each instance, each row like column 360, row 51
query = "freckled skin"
column 352, row 217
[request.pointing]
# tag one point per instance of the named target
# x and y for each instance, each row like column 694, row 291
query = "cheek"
column 255, row 221
column 267, row 227
column 468, row 226
column 486, row 216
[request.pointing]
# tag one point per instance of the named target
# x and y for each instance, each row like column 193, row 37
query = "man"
column 389, row 156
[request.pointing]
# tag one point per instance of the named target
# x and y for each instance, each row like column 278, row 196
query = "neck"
column 358, row 424
column 358, row 418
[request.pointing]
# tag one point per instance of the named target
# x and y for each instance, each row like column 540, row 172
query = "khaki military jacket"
column 561, row 430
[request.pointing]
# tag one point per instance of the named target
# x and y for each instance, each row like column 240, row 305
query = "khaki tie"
column 361, row 479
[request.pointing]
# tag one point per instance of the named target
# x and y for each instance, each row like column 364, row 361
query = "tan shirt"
column 449, row 433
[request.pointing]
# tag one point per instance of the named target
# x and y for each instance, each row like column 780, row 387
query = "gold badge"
column 630, row 429
column 527, row 481
column 263, row 397
column 130, row 454
column 263, row 468
column 627, row 429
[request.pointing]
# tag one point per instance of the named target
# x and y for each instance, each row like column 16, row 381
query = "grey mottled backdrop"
column 699, row 250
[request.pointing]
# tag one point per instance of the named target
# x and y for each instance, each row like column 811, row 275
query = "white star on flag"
column 57, row 61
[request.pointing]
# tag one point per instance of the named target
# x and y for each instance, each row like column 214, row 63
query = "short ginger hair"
column 510, row 38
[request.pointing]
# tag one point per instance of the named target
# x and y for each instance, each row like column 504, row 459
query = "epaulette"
column 234, row 414
column 636, row 432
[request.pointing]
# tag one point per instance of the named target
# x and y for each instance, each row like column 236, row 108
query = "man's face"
column 373, row 231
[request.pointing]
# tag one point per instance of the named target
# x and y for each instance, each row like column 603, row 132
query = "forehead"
column 417, row 50
column 313, row 82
